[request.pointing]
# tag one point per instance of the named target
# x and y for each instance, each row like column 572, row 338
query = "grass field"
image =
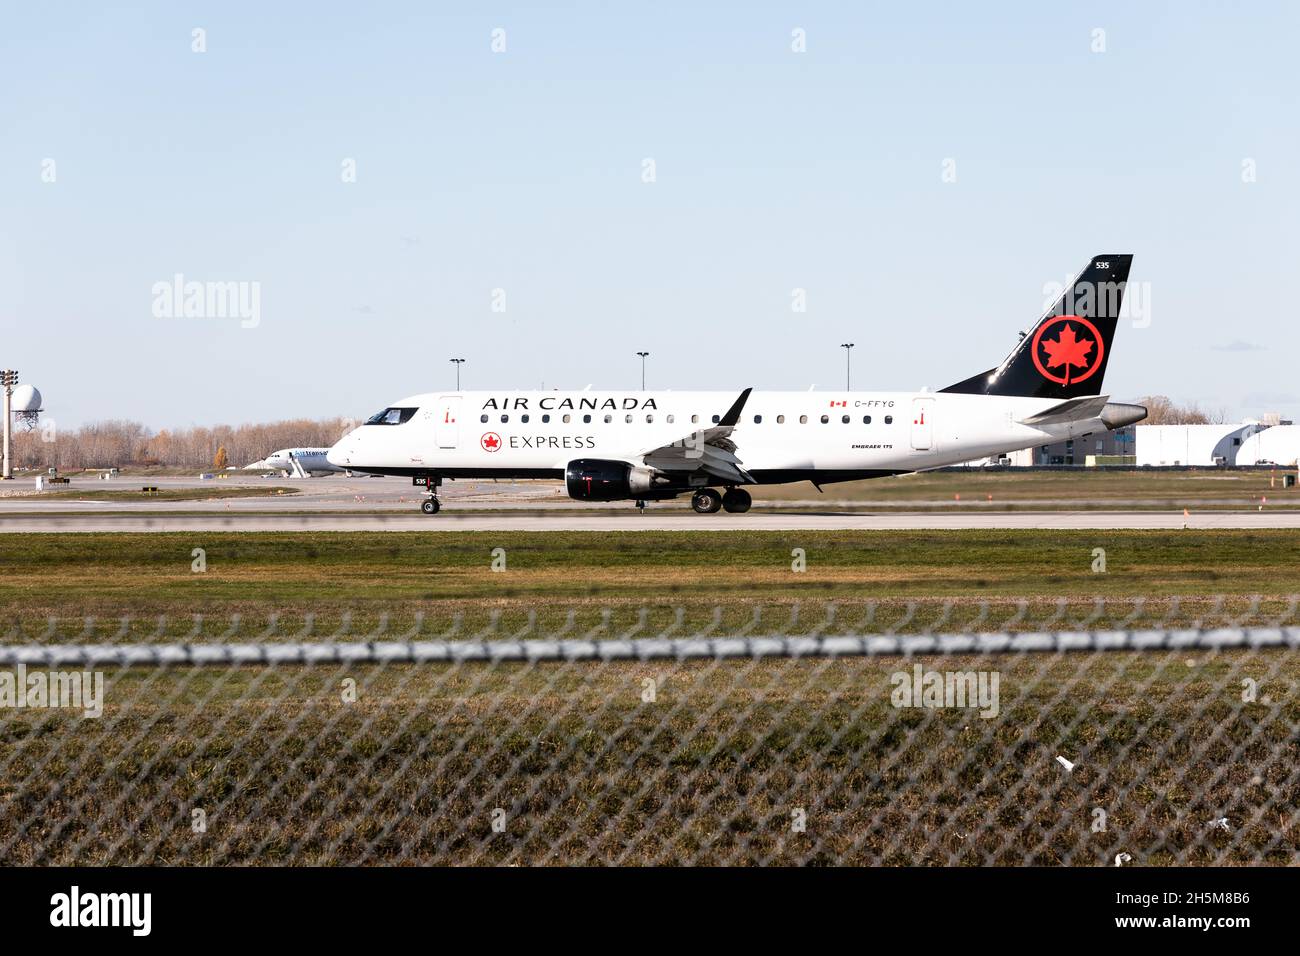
column 1086, row 489
column 400, row 575
column 573, row 761
column 581, row 768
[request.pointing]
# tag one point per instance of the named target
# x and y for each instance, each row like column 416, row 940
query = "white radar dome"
column 26, row 399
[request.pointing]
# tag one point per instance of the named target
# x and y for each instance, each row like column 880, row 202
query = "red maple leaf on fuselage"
column 1068, row 350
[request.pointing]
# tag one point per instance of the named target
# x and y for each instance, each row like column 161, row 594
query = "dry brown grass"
column 711, row 772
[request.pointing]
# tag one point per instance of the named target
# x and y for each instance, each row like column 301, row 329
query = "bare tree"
column 119, row 443
column 1161, row 410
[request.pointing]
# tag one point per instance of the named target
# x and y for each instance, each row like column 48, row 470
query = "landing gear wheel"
column 737, row 501
column 706, row 502
column 431, row 506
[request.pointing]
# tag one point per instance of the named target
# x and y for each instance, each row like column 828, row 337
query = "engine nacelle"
column 597, row 479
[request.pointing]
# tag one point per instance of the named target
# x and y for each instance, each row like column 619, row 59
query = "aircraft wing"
column 710, row 450
column 1073, row 410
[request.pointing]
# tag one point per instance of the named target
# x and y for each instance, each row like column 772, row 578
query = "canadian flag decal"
column 843, row 404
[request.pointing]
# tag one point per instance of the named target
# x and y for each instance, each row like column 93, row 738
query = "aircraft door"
column 923, row 423
column 447, row 421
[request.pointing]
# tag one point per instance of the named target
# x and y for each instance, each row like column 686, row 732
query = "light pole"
column 9, row 377
column 458, row 363
column 643, row 355
column 848, row 376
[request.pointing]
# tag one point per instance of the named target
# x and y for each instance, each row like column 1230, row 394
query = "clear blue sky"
column 523, row 171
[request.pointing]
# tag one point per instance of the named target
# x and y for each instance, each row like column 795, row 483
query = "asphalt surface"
column 663, row 521
column 330, row 493
column 342, row 503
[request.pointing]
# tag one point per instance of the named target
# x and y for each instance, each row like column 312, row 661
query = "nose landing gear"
column 431, row 505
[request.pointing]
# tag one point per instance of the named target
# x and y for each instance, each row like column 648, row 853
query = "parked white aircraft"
column 644, row 446
column 299, row 462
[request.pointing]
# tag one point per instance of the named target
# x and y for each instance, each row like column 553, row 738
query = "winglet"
column 733, row 413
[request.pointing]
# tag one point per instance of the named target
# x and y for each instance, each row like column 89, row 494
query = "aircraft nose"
column 340, row 455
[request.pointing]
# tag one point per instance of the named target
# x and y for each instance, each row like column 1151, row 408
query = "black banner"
column 331, row 906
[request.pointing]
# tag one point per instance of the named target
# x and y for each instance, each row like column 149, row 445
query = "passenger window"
column 716, row 419
column 649, row 419
column 567, row 418
column 695, row 419
column 758, row 419
column 803, row 419
column 586, row 419
column 628, row 419
column 608, row 419
column 671, row 419
column 483, row 419
column 866, row 419
column 825, row 419
column 889, row 419
column 524, row 419
column 504, row 419
column 545, row 419
column 780, row 419
column 845, row 420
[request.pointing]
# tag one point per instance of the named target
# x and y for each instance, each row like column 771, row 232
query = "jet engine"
column 596, row 479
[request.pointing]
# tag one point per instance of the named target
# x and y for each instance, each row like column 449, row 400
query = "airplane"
column 299, row 462
column 656, row 445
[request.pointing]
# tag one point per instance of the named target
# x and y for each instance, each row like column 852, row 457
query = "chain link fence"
column 1162, row 738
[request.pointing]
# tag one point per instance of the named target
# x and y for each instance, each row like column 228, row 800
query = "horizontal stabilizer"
column 1111, row 414
column 1074, row 410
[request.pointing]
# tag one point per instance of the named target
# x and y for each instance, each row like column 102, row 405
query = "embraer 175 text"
column 649, row 446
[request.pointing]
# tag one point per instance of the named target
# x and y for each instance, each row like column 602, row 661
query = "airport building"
column 1275, row 445
column 1193, row 444
column 1242, row 444
column 1098, row 448
column 1232, row 445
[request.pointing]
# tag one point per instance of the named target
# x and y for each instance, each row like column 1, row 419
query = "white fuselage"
column 780, row 436
column 308, row 460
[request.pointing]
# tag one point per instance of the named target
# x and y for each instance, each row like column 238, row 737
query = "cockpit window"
column 392, row 416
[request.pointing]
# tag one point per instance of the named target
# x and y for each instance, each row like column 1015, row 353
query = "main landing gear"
column 736, row 501
column 707, row 501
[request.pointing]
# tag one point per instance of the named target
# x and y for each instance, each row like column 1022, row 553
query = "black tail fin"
column 1065, row 354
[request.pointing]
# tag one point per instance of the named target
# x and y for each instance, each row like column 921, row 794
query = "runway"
column 391, row 504
column 507, row 520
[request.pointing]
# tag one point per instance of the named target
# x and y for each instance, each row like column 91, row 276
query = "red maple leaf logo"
column 1067, row 350
column 491, row 441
